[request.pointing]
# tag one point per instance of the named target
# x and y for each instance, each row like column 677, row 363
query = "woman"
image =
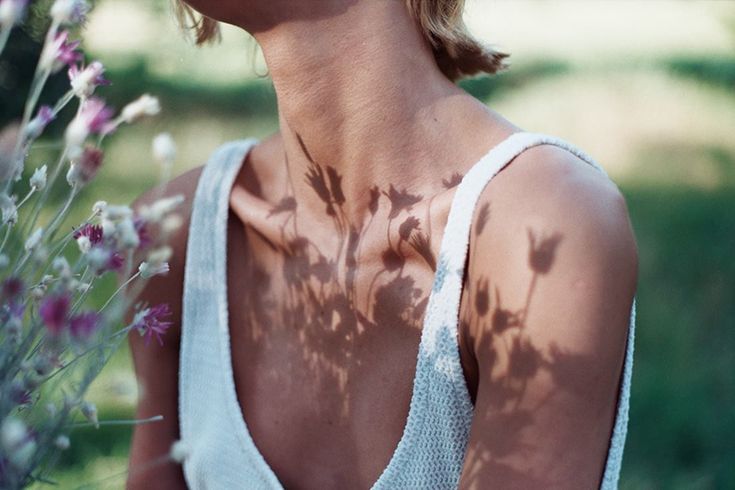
column 335, row 326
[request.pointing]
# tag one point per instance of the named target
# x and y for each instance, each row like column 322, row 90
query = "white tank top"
column 431, row 450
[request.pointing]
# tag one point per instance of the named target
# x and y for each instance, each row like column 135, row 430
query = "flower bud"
column 99, row 207
column 38, row 179
column 179, row 451
column 149, row 269
column 89, row 410
column 62, row 442
column 164, row 149
column 145, row 105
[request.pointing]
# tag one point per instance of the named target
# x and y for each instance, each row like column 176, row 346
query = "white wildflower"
column 16, row 441
column 145, row 105
column 127, row 235
column 84, row 243
column 160, row 208
column 171, row 223
column 62, row 442
column 84, row 81
column 99, row 207
column 98, row 258
column 33, row 240
column 108, row 227
column 8, row 209
column 38, row 292
column 160, row 255
column 164, row 149
column 89, row 410
column 116, row 213
column 61, row 265
column 179, row 451
column 38, row 179
column 148, row 269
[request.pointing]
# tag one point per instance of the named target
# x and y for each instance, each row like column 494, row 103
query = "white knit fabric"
column 431, row 450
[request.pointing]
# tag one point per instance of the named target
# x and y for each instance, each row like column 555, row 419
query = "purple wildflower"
column 140, row 225
column 60, row 53
column 97, row 116
column 149, row 322
column 89, row 163
column 92, row 232
column 84, row 324
column 19, row 395
column 115, row 262
column 36, row 126
column 11, row 289
column 54, row 311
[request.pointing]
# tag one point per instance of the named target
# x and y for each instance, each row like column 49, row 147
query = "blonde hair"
column 458, row 54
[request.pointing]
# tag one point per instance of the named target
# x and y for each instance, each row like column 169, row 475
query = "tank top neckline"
column 236, row 162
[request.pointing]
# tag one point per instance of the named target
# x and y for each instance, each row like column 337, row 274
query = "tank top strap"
column 447, row 286
column 439, row 361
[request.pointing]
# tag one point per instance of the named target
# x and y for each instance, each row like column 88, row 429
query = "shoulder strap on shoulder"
column 455, row 241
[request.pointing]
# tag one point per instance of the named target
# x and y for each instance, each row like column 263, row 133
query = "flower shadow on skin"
column 324, row 347
column 506, row 338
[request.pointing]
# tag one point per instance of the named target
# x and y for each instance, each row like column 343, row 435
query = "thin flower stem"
column 122, row 286
column 155, row 418
column 63, row 101
column 50, row 230
column 28, row 196
column 38, row 207
column 5, row 237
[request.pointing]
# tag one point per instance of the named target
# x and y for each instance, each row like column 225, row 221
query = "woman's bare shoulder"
column 551, row 286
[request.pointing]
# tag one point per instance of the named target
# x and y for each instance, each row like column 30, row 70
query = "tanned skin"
column 334, row 228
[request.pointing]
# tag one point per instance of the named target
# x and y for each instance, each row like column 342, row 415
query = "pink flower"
column 60, row 53
column 44, row 116
column 93, row 118
column 54, row 311
column 84, row 324
column 85, row 168
column 97, row 115
column 149, row 322
column 84, row 80
column 93, row 232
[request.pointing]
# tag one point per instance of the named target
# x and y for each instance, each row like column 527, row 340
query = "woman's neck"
column 359, row 92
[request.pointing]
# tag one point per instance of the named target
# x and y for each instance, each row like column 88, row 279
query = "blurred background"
column 646, row 87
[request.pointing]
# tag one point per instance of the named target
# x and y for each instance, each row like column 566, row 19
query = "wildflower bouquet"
column 52, row 346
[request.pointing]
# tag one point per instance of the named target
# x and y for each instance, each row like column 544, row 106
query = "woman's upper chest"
column 324, row 340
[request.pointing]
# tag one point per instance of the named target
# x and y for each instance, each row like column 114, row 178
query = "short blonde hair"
column 458, row 54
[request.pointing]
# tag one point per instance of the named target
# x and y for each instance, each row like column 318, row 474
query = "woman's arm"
column 157, row 367
column 557, row 263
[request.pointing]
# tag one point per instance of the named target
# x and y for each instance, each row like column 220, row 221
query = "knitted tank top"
column 430, row 453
